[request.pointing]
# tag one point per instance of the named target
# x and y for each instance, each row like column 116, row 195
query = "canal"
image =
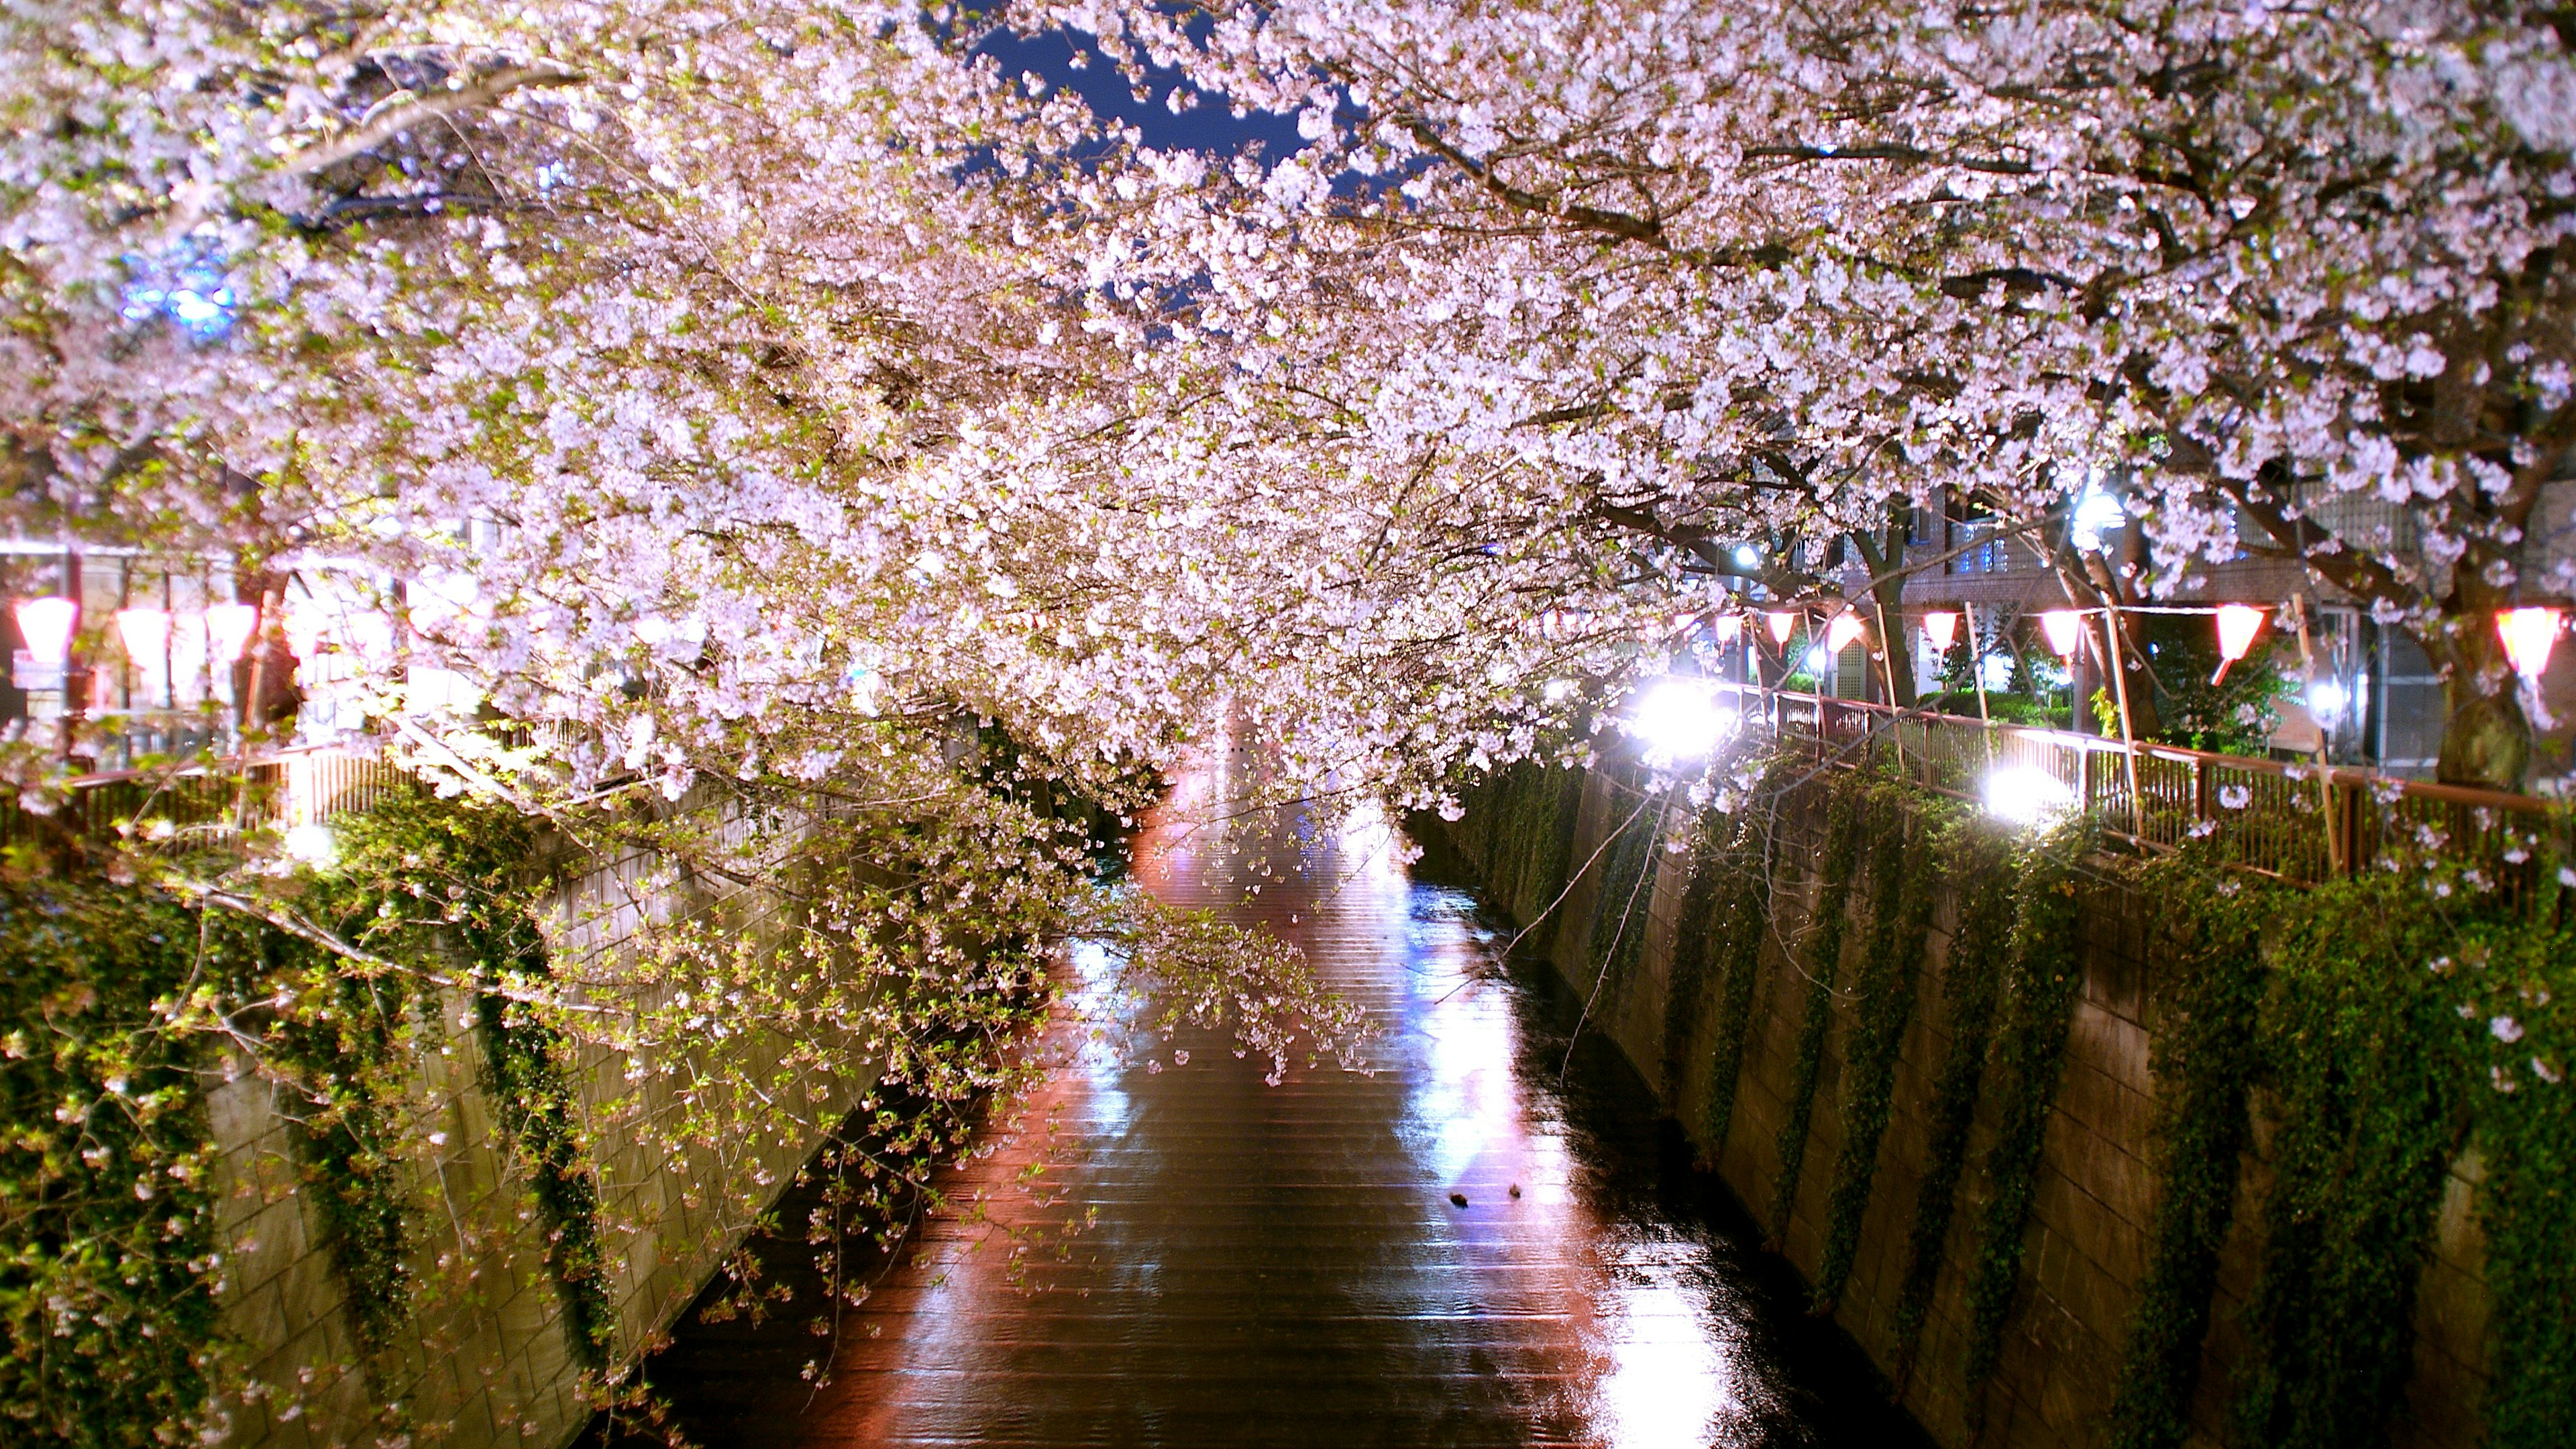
column 1487, row 1238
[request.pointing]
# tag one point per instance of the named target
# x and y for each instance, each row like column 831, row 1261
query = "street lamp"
column 1941, row 627
column 1678, row 719
column 1782, row 623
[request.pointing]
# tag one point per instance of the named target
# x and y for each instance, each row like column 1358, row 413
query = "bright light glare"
column 2096, row 514
column 1842, row 632
column 1747, row 556
column 1941, row 626
column 1998, row 669
column 314, row 844
column 1679, row 720
column 1557, row 690
column 2328, row 699
column 2026, row 796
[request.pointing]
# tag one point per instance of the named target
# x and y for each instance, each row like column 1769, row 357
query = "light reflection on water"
column 1284, row 1265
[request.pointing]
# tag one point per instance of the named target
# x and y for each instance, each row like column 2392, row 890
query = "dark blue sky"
column 1209, row 126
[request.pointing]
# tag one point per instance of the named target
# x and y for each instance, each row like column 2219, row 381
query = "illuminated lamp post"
column 1782, row 623
column 2237, row 626
column 2064, row 629
column 1941, row 630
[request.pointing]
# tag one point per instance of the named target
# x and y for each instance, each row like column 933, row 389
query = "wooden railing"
column 2299, row 821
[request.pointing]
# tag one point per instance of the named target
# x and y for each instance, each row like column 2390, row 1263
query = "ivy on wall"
column 2203, row 1055
column 1824, row 951
column 1739, row 921
column 2042, row 972
column 345, row 1044
column 108, row 1309
column 1982, row 871
column 421, row 876
column 2384, row 1024
column 1903, row 861
column 1627, row 884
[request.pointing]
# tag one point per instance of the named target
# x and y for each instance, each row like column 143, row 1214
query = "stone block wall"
column 492, row 1364
column 2087, row 1249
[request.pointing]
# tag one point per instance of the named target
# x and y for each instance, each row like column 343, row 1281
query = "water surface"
column 1217, row 1261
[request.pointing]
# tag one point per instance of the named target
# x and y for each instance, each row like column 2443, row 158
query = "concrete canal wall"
column 492, row 1360
column 2086, row 1251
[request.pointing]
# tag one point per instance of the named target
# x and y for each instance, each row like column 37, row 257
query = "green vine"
column 2041, row 976
column 1981, row 867
column 1739, row 920
column 1619, row 916
column 2526, row 1110
column 1900, row 922
column 2367, row 1060
column 342, row 1045
column 109, row 1323
column 1824, row 963
column 2204, row 1060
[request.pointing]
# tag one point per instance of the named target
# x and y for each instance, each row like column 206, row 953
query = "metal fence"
column 215, row 804
column 2297, row 821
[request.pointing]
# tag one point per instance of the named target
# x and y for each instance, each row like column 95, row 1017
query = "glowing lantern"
column 1941, row 627
column 146, row 633
column 2237, row 626
column 46, row 625
column 1730, row 628
column 1781, row 622
column 2528, row 636
column 305, row 626
column 228, row 631
column 1839, row 634
column 2065, row 631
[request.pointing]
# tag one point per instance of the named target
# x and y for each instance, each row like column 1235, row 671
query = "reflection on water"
column 1214, row 1261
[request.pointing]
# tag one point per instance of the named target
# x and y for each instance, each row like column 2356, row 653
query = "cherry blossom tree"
column 1688, row 275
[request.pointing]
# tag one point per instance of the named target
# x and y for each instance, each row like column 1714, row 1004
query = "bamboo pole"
column 2118, row 662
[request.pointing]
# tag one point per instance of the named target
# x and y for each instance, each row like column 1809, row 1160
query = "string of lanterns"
column 2529, row 633
column 157, row 641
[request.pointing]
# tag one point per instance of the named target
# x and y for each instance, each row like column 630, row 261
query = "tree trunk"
column 2486, row 737
column 1885, row 562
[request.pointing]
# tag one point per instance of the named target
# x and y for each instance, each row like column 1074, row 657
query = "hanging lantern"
column 2529, row 634
column 228, row 631
column 1782, row 623
column 1845, row 628
column 1941, row 627
column 2237, row 626
column 46, row 625
column 146, row 633
column 305, row 624
column 2065, row 631
column 1730, row 628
